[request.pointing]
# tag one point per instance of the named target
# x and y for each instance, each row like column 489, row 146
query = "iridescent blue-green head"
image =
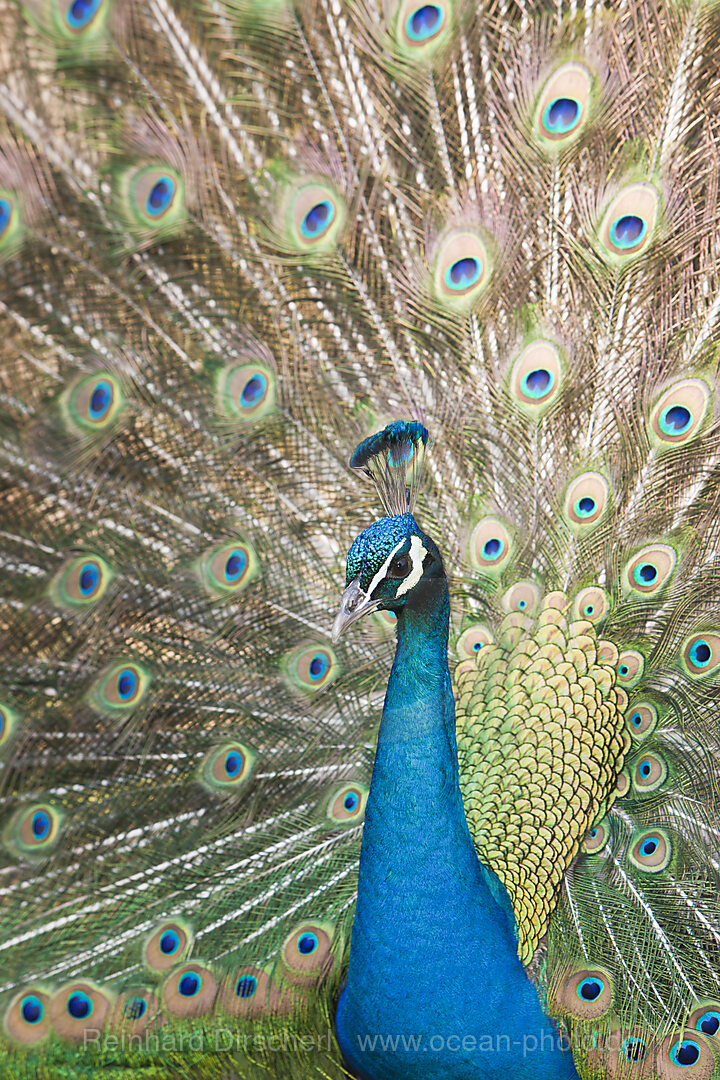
column 393, row 563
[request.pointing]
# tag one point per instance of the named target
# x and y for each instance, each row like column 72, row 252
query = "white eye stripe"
column 417, row 557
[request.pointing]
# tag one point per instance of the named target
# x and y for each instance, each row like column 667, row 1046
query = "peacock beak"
column 354, row 604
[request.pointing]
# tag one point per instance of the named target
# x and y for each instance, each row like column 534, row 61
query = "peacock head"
column 393, row 563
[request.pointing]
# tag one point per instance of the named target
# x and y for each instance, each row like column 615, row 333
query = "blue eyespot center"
column 585, row 506
column 676, row 420
column 627, row 231
column 492, row 548
column 82, row 12
column 424, row 23
column 591, row 988
column 709, row 1023
column 254, row 390
column 100, row 400
column 623, row 669
column 169, row 942
column 190, row 984
column 318, row 666
column 538, row 383
column 79, row 1005
column 318, row 219
column 5, row 214
column 235, row 565
column 351, row 800
column 649, row 846
column 522, row 604
column 32, row 1009
column 700, row 653
column 89, row 579
column 646, row 573
column 161, row 196
column 40, row 824
column 126, row 684
column 685, row 1053
column 463, row 273
column 246, row 986
column 135, row 1008
column 233, row 763
column 636, row 719
column 307, row 944
column 589, row 609
column 645, row 768
column 561, row 115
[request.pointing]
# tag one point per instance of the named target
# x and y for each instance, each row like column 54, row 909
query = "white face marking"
column 416, row 555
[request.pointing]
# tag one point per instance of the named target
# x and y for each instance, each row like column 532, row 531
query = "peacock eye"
column 400, row 567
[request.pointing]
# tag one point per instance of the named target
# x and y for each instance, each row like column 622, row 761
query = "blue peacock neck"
column 435, row 987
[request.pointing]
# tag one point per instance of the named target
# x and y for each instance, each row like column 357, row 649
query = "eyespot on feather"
column 705, row 1018
column 523, row 596
column 77, row 1008
column 346, row 805
column 121, row 688
column 190, row 991
column 461, row 268
column 490, row 545
column 649, row 772
column 386, row 620
column 230, row 568
column 537, row 376
column 650, row 850
column 228, row 768
column 678, row 414
column 586, row 500
column 93, row 403
column 583, row 994
column 306, row 953
column 311, row 668
column 80, row 18
column 591, row 603
column 27, row 1019
column 167, row 946
column 596, row 838
column 421, row 28
column 563, row 105
column 246, row 392
column 152, row 198
column 248, row 991
column 472, row 640
column 629, row 222
column 8, row 723
column 315, row 216
column 35, row 830
column 641, row 719
column 81, row 581
column 630, row 667
column 134, row 1010
column 649, row 569
column 701, row 654
column 687, row 1054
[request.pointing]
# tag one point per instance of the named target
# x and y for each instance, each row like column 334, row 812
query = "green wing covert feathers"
column 236, row 238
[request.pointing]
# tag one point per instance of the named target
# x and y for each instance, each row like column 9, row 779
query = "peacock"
column 359, row 540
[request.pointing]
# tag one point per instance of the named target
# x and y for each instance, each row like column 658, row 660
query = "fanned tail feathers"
column 235, row 241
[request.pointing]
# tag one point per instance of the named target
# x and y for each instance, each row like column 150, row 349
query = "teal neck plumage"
column 435, row 987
